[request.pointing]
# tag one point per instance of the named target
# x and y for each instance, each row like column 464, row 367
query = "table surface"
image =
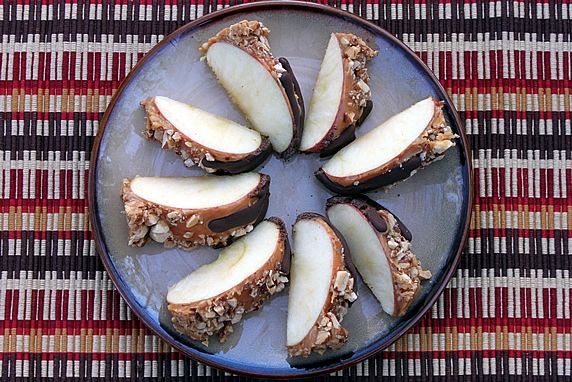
column 506, row 312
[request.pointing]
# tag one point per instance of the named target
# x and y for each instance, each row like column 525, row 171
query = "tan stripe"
column 15, row 100
column 567, row 97
column 498, row 338
column 43, row 98
column 116, row 340
column 57, row 339
column 527, row 343
column 429, row 343
column 476, row 217
column 548, row 339
column 547, row 214
column 86, row 225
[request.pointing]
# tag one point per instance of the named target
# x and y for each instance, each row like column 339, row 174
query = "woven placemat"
column 504, row 316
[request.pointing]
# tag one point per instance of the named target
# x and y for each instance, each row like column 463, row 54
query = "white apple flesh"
column 380, row 251
column 262, row 86
column 193, row 211
column 233, row 266
column 311, row 272
column 342, row 97
column 390, row 152
column 327, row 96
column 214, row 297
column 383, row 143
column 207, row 129
column 255, row 91
column 321, row 288
column 216, row 144
column 196, row 192
column 367, row 253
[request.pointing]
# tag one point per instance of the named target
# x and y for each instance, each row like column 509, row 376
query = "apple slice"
column 213, row 143
column 391, row 152
column 380, row 249
column 246, row 274
column 192, row 211
column 342, row 98
column 263, row 87
column 321, row 288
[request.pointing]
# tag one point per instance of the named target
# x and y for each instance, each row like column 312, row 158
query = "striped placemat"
column 505, row 314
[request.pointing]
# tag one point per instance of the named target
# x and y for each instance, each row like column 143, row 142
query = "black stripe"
column 157, row 26
column 471, row 263
column 496, row 142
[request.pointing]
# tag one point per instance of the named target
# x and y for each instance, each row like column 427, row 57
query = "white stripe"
column 420, row 11
column 80, row 104
column 486, row 281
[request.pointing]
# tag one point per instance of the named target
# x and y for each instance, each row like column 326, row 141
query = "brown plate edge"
column 197, row 355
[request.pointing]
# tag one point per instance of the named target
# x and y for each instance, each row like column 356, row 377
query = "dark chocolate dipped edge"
column 285, row 263
column 253, row 214
column 249, row 163
column 294, row 96
column 365, row 112
column 332, row 147
column 370, row 208
column 403, row 171
column 348, row 135
column 348, row 262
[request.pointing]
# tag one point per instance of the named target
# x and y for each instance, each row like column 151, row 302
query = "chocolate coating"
column 287, row 259
column 394, row 175
column 244, row 165
column 347, row 255
column 365, row 113
column 285, row 264
column 294, row 95
column 250, row 215
column 369, row 208
column 348, row 135
column 377, row 221
column 348, row 261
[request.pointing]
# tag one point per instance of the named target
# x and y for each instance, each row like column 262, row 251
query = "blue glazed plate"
column 435, row 204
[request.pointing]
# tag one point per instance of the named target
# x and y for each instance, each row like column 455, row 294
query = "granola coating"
column 252, row 37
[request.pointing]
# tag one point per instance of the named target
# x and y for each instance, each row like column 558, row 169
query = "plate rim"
column 195, row 354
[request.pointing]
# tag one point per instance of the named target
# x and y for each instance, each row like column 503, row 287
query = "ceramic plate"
column 434, row 204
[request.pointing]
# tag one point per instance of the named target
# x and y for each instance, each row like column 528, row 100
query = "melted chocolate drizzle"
column 249, row 215
column 348, row 135
column 244, row 165
column 285, row 263
column 394, row 175
column 370, row 208
column 294, row 95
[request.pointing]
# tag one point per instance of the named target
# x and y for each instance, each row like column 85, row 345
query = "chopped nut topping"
column 391, row 244
column 174, row 216
column 137, row 236
column 357, row 53
column 251, row 36
column 160, row 232
column 406, row 268
column 437, row 138
column 152, row 219
column 425, row 274
column 342, row 278
column 193, row 220
column 322, row 337
column 218, row 316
